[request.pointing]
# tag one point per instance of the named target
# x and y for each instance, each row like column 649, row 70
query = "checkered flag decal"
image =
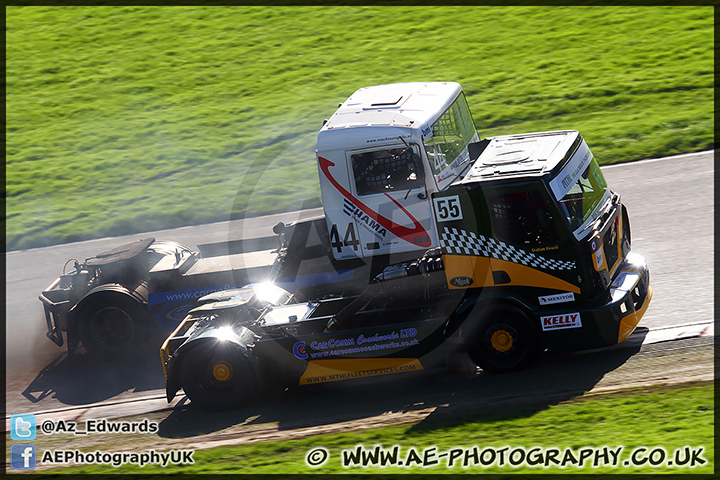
column 461, row 242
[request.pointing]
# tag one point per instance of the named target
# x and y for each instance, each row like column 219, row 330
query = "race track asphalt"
column 670, row 202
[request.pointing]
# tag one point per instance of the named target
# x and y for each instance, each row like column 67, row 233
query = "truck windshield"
column 585, row 196
column 382, row 171
column 446, row 140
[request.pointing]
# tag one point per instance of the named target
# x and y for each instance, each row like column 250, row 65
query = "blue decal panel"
column 170, row 308
column 368, row 342
column 189, row 295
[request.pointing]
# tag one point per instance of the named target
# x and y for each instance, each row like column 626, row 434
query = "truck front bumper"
column 608, row 322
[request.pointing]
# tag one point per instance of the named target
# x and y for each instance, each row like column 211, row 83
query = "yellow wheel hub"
column 501, row 340
column 222, row 371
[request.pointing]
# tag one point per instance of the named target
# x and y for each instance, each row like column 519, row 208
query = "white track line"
column 653, row 160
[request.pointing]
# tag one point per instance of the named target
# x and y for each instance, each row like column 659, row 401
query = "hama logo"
column 559, row 322
column 461, row 281
column 366, row 222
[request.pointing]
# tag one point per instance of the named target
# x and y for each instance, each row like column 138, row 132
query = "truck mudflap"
column 56, row 303
column 584, row 326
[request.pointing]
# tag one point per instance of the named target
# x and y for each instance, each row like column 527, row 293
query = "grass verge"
column 641, row 425
column 133, row 119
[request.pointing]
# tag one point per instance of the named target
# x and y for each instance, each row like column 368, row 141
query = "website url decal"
column 365, row 348
column 334, row 346
column 512, row 457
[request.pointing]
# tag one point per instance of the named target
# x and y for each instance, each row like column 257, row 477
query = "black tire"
column 115, row 325
column 218, row 378
column 501, row 340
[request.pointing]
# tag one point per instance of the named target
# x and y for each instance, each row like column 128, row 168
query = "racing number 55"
column 448, row 208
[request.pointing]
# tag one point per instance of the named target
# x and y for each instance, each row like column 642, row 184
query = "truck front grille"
column 611, row 245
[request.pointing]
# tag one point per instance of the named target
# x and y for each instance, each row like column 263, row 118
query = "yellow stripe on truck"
column 477, row 268
column 321, row 371
column 480, row 270
column 628, row 324
column 523, row 276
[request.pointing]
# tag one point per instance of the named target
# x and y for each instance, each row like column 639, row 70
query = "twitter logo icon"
column 23, row 427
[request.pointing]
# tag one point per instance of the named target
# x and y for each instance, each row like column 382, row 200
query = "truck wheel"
column 115, row 325
column 217, row 378
column 503, row 340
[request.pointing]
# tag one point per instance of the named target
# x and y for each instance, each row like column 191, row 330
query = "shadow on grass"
column 456, row 395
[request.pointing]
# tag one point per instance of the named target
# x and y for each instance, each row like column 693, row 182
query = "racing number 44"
column 349, row 239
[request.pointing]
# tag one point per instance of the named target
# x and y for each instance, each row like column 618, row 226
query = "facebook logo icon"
column 23, row 427
column 23, row 457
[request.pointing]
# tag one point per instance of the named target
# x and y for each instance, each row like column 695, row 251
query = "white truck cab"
column 381, row 155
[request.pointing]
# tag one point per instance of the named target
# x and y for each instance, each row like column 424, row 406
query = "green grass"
column 654, row 417
column 128, row 119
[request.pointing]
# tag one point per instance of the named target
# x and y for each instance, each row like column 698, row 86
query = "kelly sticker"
column 559, row 322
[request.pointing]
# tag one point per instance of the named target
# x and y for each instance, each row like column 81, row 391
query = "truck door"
column 505, row 236
column 389, row 201
column 530, row 244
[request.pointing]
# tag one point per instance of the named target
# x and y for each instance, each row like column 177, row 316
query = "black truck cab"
column 534, row 224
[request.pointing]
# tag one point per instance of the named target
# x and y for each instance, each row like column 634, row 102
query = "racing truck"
column 380, row 156
column 385, row 159
column 533, row 254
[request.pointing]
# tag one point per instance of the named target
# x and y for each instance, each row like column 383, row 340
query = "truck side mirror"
column 279, row 228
